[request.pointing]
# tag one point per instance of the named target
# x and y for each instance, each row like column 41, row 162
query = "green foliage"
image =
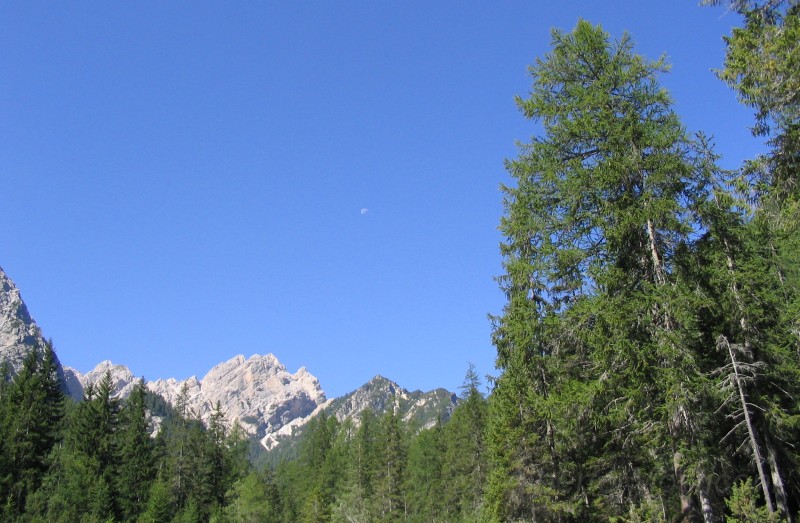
column 744, row 506
column 136, row 469
column 601, row 384
column 426, row 480
column 31, row 410
column 464, row 468
column 160, row 507
column 253, row 499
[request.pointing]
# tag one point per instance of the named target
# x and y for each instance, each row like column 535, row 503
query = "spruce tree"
column 31, row 411
column 137, row 455
column 391, row 472
column 759, row 303
column 425, row 476
column 464, row 467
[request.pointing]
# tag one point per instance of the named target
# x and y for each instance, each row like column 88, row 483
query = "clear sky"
column 183, row 182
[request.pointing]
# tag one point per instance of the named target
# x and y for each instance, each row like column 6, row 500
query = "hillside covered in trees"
column 648, row 353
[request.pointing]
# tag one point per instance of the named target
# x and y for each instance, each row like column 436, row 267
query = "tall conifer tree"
column 600, row 391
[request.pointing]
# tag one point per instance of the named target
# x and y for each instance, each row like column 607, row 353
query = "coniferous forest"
column 648, row 354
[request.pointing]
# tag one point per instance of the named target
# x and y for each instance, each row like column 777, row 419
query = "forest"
column 648, row 353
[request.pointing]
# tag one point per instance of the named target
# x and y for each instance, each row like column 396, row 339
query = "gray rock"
column 258, row 393
column 19, row 334
column 380, row 395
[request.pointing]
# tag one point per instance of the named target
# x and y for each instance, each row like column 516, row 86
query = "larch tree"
column 599, row 394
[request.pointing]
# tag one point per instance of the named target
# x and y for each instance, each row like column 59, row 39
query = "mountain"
column 19, row 334
column 380, row 394
column 122, row 379
column 420, row 409
column 258, row 393
column 271, row 404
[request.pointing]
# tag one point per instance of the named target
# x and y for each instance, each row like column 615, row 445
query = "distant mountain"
column 258, row 393
column 270, row 403
column 380, row 395
column 19, row 334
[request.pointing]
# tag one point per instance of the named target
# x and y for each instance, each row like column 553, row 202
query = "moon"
column 364, row 211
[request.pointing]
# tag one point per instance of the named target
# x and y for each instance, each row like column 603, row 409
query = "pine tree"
column 160, row 503
column 359, row 444
column 762, row 250
column 254, row 498
column 391, row 472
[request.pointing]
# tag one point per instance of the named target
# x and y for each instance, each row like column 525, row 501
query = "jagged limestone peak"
column 257, row 392
column 19, row 333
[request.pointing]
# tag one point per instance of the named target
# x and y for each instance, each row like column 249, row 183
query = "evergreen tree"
column 160, row 503
column 355, row 495
column 391, row 473
column 601, row 387
column 464, row 467
column 365, row 453
column 31, row 410
column 761, row 252
column 425, row 476
column 81, row 484
column 136, row 452
column 253, row 499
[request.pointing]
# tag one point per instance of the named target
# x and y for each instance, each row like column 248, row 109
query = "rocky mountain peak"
column 379, row 395
column 257, row 392
column 19, row 334
column 122, row 379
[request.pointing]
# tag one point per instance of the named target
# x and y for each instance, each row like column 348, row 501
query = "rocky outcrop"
column 19, row 334
column 380, row 395
column 122, row 379
column 258, row 393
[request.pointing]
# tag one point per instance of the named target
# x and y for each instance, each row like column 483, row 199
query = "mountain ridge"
column 257, row 393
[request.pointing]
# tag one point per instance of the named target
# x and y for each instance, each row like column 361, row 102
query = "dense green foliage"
column 382, row 468
column 97, row 460
column 101, row 460
column 649, row 345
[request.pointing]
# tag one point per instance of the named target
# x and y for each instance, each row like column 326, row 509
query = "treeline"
column 380, row 468
column 99, row 460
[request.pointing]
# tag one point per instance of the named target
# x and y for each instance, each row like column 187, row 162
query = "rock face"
column 380, row 395
column 258, row 392
column 122, row 378
column 19, row 334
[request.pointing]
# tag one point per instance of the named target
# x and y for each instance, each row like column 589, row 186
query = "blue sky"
column 184, row 181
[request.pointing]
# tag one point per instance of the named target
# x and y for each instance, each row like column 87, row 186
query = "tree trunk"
column 777, row 481
column 680, row 479
column 705, row 502
column 751, row 431
column 745, row 333
column 660, row 278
